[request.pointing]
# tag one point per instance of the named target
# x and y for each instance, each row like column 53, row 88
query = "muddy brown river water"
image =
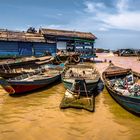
column 37, row 116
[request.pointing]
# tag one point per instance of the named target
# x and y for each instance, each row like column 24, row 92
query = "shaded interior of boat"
column 80, row 71
column 123, row 81
column 18, row 70
column 37, row 74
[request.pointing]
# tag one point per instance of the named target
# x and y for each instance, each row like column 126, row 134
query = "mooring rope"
column 86, row 92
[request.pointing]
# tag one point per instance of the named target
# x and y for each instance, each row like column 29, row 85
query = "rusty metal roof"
column 65, row 33
column 6, row 35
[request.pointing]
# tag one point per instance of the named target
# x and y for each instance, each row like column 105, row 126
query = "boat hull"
column 24, row 87
column 90, row 86
column 130, row 104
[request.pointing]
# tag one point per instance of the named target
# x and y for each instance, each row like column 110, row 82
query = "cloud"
column 122, row 5
column 123, row 18
column 99, row 16
column 103, row 29
column 93, row 7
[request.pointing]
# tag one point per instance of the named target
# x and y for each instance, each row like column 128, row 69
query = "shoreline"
column 125, row 62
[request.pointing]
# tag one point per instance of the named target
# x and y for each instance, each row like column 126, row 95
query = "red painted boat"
column 31, row 82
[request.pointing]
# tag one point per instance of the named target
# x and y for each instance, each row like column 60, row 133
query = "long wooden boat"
column 124, row 86
column 8, row 71
column 27, row 62
column 29, row 82
column 72, row 73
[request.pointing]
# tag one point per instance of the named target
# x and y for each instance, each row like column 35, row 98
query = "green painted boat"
column 80, row 71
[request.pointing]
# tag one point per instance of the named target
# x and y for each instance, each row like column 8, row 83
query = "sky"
column 116, row 23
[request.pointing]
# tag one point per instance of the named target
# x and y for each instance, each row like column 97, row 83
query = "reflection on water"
column 38, row 116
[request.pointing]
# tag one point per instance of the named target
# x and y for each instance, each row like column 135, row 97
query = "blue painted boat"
column 72, row 73
column 32, row 81
column 127, row 91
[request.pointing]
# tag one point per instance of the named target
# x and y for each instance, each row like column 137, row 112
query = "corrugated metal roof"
column 65, row 33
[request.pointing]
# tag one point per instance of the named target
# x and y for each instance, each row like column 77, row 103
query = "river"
column 38, row 116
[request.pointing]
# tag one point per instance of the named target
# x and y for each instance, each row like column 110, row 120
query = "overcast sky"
column 116, row 23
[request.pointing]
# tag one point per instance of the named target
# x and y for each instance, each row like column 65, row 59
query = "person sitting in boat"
column 71, row 73
column 84, row 73
column 110, row 62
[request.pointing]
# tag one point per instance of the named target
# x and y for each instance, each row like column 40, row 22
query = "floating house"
column 72, row 41
column 13, row 43
column 33, row 43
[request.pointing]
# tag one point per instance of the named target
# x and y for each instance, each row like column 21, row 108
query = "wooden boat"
column 32, row 81
column 124, row 86
column 72, row 73
column 8, row 71
column 27, row 62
